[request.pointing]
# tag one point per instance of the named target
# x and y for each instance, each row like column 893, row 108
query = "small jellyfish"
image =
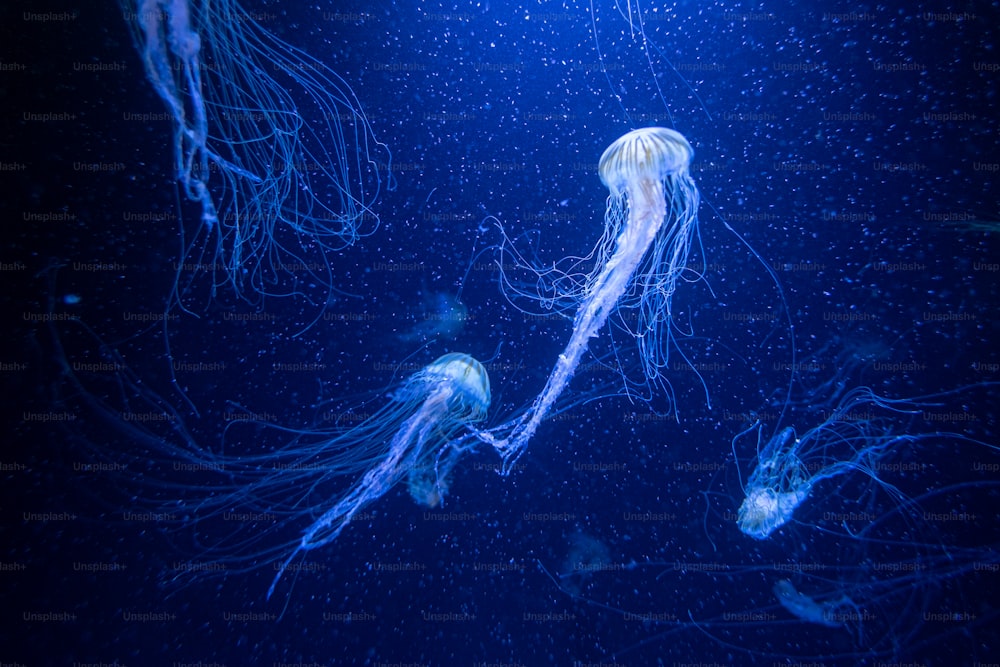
column 855, row 436
column 790, row 466
column 435, row 404
column 778, row 486
column 804, row 606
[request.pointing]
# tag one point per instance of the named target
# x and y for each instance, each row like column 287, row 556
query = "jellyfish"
column 241, row 503
column 167, row 34
column 650, row 220
column 430, row 410
column 789, row 466
column 587, row 555
column 271, row 145
column 822, row 612
column 855, row 437
column 778, row 486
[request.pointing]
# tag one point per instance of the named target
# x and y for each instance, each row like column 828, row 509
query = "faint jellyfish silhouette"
column 586, row 556
column 824, row 612
column 441, row 316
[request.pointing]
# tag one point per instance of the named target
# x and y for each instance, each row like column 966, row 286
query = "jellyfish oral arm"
column 647, row 210
column 191, row 137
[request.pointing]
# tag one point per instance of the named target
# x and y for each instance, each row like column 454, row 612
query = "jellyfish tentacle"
column 277, row 194
column 406, row 445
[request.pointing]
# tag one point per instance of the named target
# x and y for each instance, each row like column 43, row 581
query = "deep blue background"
column 503, row 111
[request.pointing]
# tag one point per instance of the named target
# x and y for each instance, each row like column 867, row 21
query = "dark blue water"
column 847, row 158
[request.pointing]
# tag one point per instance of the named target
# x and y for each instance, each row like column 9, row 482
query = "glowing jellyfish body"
column 269, row 142
column 446, row 395
column 653, row 204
